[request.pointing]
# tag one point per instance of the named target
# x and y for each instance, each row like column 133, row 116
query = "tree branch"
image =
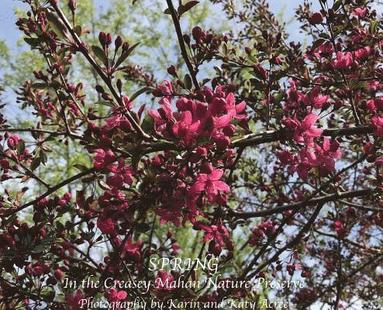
column 299, row 205
column 181, row 43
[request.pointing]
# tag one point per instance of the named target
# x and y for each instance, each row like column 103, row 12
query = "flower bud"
column 108, row 39
column 118, row 42
column 72, row 4
column 198, row 34
column 172, row 70
column 102, row 38
column 100, row 89
column 119, row 85
column 316, row 18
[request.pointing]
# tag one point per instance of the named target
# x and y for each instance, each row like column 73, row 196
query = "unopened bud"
column 72, row 4
column 99, row 89
column 125, row 46
column 108, row 39
column 118, row 42
column 172, row 70
column 102, row 38
column 119, row 85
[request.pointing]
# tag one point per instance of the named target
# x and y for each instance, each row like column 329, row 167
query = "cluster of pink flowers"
column 209, row 117
column 320, row 156
column 263, row 230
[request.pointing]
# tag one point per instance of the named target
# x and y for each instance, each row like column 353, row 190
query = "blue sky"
column 10, row 33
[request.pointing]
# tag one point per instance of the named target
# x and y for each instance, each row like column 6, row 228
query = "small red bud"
column 72, row 4
column 172, row 70
column 118, row 42
column 316, row 18
column 108, row 39
column 102, row 38
column 59, row 274
column 100, row 89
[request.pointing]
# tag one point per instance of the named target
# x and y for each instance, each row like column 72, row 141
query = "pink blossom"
column 323, row 50
column 106, row 225
column 114, row 295
column 218, row 235
column 122, row 175
column 306, row 130
column 315, row 99
column 327, row 153
column 185, row 128
column 363, row 52
column 339, row 227
column 377, row 122
column 344, row 60
column 103, row 158
column 132, row 250
column 164, row 89
column 360, row 12
column 73, row 300
column 210, row 184
column 164, row 282
column 316, row 18
column 13, row 141
column 375, row 104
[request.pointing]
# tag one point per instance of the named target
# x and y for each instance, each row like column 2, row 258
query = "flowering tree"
column 271, row 165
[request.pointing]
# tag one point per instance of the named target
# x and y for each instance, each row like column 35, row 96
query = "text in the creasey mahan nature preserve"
column 214, row 281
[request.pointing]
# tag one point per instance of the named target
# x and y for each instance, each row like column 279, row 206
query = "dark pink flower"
column 73, row 300
column 217, row 235
column 103, row 158
column 375, row 104
column 315, row 99
column 114, row 295
column 339, row 227
column 106, row 225
column 344, row 60
column 360, row 12
column 13, row 141
column 132, row 250
column 363, row 52
column 377, row 122
column 123, row 174
column 185, row 128
column 316, row 18
column 209, row 184
column 307, row 130
column 164, row 89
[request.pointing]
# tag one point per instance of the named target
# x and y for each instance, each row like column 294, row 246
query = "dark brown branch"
column 8, row 212
column 27, row 171
column 283, row 134
column 82, row 48
column 181, row 42
column 299, row 205
column 291, row 243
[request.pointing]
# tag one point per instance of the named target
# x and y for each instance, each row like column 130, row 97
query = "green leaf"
column 80, row 167
column 337, row 5
column 57, row 26
column 21, row 147
column 142, row 227
column 188, row 81
column 33, row 41
column 125, row 55
column 35, row 163
column 186, row 7
column 147, row 123
column 100, row 54
column 39, row 85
